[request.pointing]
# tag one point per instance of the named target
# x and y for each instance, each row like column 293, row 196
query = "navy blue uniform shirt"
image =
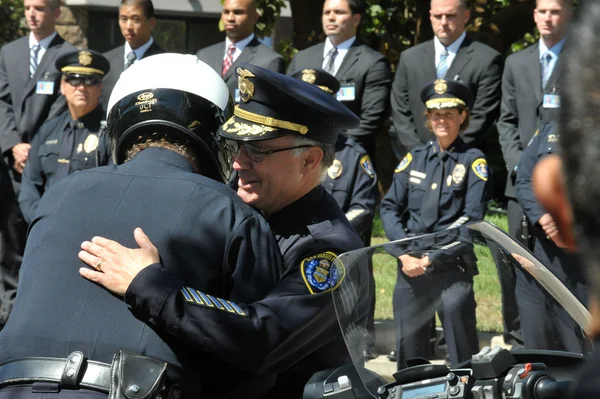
column 352, row 181
column 91, row 148
column 465, row 190
column 544, row 142
column 208, row 239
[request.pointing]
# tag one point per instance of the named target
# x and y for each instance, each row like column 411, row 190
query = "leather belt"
column 74, row 372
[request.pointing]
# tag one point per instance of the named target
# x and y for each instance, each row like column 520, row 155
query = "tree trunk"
column 306, row 17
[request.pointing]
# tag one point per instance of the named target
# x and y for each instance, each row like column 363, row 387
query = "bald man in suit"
column 239, row 18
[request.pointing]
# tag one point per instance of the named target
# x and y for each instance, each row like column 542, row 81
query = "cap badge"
column 309, row 75
column 85, row 58
column 440, row 86
column 246, row 87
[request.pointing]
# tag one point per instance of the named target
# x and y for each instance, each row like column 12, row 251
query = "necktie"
column 33, row 63
column 442, row 66
column 330, row 67
column 129, row 60
column 430, row 209
column 546, row 70
column 228, row 61
column 66, row 149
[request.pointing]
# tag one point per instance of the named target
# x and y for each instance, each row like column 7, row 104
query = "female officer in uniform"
column 438, row 186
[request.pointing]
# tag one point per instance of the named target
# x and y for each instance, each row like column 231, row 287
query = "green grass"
column 487, row 286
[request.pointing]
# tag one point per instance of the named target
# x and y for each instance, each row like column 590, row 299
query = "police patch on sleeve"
column 367, row 165
column 480, row 168
column 320, row 273
column 404, row 164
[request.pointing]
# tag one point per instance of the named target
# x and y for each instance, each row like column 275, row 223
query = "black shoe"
column 369, row 354
column 392, row 356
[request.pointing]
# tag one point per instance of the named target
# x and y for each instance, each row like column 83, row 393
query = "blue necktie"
column 442, row 66
column 546, row 70
column 33, row 63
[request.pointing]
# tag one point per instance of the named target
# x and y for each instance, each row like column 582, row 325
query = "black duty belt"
column 74, row 372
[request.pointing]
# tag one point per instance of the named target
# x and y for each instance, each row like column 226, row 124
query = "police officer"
column 282, row 136
column 441, row 185
column 167, row 156
column 74, row 140
column 352, row 181
column 545, row 323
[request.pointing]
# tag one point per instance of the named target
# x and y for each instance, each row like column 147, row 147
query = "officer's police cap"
column 273, row 105
column 443, row 93
column 83, row 62
column 318, row 77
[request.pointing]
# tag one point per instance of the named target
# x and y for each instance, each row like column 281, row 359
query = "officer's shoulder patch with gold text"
column 404, row 163
column 480, row 168
column 367, row 165
column 196, row 297
column 321, row 273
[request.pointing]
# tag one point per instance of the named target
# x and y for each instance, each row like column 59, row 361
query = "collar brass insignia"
column 246, row 87
column 440, row 86
column 85, row 58
column 309, row 76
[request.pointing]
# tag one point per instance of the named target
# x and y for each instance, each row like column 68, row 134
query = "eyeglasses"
column 85, row 80
column 254, row 152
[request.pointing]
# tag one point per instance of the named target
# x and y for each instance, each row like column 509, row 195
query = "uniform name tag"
column 44, row 87
column 551, row 101
column 237, row 96
column 346, row 93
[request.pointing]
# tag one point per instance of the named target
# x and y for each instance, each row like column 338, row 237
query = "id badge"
column 237, row 96
column 346, row 93
column 551, row 100
column 45, row 87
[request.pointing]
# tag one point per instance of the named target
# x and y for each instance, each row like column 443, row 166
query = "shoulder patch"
column 367, row 165
column 320, row 274
column 335, row 170
column 480, row 168
column 404, row 164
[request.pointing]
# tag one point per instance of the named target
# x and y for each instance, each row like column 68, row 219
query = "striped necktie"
column 33, row 59
column 330, row 67
column 442, row 66
column 228, row 61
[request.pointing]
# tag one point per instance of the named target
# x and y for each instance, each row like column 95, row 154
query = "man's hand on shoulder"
column 115, row 266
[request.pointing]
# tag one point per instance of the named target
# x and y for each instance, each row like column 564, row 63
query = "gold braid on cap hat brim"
column 268, row 121
column 82, row 70
column 448, row 102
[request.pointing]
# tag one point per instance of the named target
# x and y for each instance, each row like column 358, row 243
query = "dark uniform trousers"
column 545, row 324
column 462, row 190
column 62, row 146
column 208, row 239
column 352, row 182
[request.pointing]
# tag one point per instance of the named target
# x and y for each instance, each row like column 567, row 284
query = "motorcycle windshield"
column 448, row 285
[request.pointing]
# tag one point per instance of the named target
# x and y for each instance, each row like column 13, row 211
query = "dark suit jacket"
column 117, row 63
column 255, row 53
column 369, row 71
column 521, row 109
column 22, row 110
column 475, row 64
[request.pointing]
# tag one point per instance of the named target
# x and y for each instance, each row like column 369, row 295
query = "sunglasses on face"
column 83, row 80
column 254, row 152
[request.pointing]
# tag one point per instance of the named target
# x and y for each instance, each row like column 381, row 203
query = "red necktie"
column 228, row 61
